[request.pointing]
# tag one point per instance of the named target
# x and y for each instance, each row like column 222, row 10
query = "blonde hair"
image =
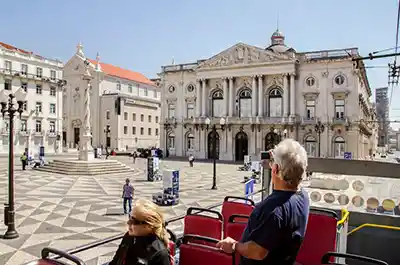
column 150, row 213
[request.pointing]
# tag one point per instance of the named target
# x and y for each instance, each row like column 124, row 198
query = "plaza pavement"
column 69, row 211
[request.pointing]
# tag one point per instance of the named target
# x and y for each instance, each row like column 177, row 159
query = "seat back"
column 200, row 254
column 45, row 260
column 196, row 223
column 172, row 244
column 365, row 260
column 320, row 236
column 236, row 225
column 229, row 208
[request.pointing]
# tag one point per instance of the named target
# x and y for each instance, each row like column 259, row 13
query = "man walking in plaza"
column 277, row 226
column 127, row 196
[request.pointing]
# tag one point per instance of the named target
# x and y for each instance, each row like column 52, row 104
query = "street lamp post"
column 107, row 131
column 319, row 128
column 7, row 106
column 214, row 129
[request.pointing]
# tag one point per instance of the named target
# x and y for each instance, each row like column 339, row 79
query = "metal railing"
column 387, row 227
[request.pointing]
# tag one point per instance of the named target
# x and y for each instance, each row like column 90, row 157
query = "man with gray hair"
column 277, row 225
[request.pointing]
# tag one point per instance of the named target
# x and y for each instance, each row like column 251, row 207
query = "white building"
column 125, row 102
column 264, row 93
column 41, row 121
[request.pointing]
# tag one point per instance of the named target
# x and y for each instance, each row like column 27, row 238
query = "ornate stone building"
column 319, row 98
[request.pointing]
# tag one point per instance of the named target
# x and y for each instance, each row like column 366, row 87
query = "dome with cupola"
column 278, row 43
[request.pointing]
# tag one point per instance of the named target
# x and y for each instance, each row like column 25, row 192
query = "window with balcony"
column 156, row 119
column 171, row 140
column 190, row 110
column 130, row 89
column 141, row 130
column 23, row 125
column 149, row 118
column 39, row 89
column 171, row 111
column 24, row 69
column 310, row 109
column 339, row 109
column 156, row 131
column 24, row 86
column 52, row 108
column 53, row 75
column 52, row 91
column 141, row 117
column 52, row 126
column 38, row 107
column 133, row 130
column 8, row 84
column 275, row 103
column 217, row 103
column 134, row 116
column 189, row 141
column 39, row 72
column 125, row 129
column 8, row 66
column 149, row 131
column 38, row 127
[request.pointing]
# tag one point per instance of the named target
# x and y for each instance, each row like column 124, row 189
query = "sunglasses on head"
column 133, row 221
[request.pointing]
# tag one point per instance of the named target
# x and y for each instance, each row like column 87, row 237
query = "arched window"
column 217, row 101
column 338, row 147
column 245, row 103
column 275, row 103
column 171, row 140
column 189, row 141
column 310, row 145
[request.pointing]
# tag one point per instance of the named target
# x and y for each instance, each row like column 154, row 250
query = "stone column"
column 260, row 95
column 285, row 95
column 226, row 101
column 85, row 151
column 198, row 98
column 254, row 97
column 231, row 98
column 292, row 96
column 203, row 98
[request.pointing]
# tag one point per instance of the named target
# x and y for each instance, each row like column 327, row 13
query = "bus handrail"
column 388, row 227
column 345, row 217
column 120, row 236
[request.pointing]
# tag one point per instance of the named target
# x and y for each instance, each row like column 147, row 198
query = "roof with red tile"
column 123, row 73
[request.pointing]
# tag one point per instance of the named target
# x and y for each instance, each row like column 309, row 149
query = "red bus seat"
column 236, row 225
column 197, row 224
column 320, row 236
column 194, row 254
column 230, row 208
column 365, row 260
column 46, row 261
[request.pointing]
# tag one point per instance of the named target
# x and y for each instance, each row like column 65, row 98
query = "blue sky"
column 143, row 35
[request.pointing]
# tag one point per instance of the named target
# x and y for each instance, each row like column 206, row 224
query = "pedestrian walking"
column 24, row 160
column 134, row 157
column 191, row 160
column 127, row 196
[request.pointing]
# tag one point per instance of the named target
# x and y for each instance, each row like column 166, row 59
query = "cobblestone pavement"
column 68, row 211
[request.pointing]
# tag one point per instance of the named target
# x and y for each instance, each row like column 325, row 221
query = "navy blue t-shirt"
column 278, row 224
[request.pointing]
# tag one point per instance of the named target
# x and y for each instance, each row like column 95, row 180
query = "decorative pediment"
column 275, row 80
column 240, row 54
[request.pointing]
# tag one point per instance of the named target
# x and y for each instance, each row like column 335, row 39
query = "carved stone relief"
column 275, row 80
column 190, row 99
column 77, row 123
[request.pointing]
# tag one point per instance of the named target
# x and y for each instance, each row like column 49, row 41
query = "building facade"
column 125, row 105
column 382, row 111
column 264, row 94
column 41, row 78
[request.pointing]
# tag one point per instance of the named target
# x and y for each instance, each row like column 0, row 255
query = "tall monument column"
column 85, row 150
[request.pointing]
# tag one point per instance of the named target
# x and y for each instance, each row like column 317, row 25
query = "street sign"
column 347, row 155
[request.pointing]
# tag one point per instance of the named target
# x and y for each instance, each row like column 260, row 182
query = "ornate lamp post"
column 107, row 131
column 214, row 128
column 7, row 106
column 319, row 128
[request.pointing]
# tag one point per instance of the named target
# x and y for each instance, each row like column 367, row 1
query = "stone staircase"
column 87, row 168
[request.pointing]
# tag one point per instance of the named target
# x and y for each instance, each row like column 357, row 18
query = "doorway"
column 76, row 137
column 213, row 136
column 241, row 146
